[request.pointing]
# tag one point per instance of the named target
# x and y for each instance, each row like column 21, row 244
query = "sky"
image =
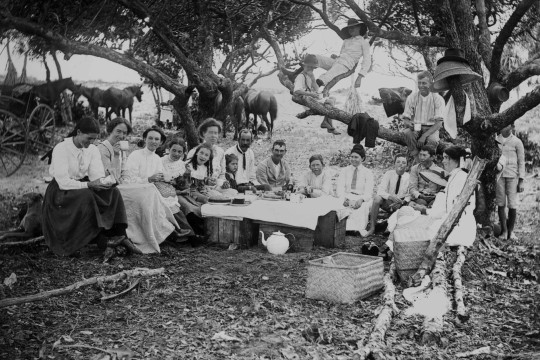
column 88, row 68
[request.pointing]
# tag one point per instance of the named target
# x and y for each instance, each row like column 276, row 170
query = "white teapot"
column 277, row 243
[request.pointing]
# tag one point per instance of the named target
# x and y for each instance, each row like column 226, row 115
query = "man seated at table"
column 423, row 115
column 355, row 186
column 423, row 192
column 393, row 191
column 275, row 171
column 245, row 175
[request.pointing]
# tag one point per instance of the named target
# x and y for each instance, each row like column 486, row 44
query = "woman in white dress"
column 317, row 181
column 151, row 216
column 111, row 154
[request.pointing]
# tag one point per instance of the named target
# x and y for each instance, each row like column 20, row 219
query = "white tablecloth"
column 149, row 219
column 304, row 215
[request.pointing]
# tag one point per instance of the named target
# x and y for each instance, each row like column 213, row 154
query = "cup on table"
column 124, row 145
column 417, row 127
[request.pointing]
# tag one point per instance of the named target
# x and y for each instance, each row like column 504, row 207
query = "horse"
column 260, row 103
column 238, row 116
column 49, row 93
column 94, row 96
column 120, row 100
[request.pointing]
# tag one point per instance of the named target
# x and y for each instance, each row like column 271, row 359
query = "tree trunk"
column 461, row 310
column 450, row 222
column 47, row 70
column 433, row 324
column 180, row 105
column 57, row 63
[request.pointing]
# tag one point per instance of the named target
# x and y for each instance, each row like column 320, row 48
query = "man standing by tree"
column 511, row 180
column 423, row 115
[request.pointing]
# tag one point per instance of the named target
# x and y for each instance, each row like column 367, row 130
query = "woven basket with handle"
column 410, row 244
column 344, row 278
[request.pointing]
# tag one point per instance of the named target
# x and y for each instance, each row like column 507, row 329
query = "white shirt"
column 388, row 184
column 172, row 169
column 70, row 164
column 352, row 50
column 423, row 109
column 365, row 182
column 218, row 162
column 244, row 176
column 140, row 165
column 321, row 184
column 277, row 168
column 200, row 173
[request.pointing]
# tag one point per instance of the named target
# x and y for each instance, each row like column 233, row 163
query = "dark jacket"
column 363, row 126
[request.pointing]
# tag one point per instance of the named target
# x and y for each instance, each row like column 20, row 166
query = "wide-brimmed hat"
column 453, row 54
column 310, row 60
column 353, row 23
column 436, row 177
column 452, row 64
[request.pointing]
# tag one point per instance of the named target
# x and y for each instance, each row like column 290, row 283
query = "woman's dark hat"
column 353, row 23
column 156, row 129
column 452, row 64
column 453, row 54
column 310, row 60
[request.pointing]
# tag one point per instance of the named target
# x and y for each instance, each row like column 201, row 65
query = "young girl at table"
column 231, row 161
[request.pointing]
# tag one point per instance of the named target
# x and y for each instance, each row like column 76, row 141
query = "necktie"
column 80, row 160
column 354, row 177
column 397, row 184
column 244, row 155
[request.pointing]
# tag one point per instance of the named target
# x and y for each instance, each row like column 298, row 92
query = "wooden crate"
column 224, row 231
column 330, row 232
column 303, row 238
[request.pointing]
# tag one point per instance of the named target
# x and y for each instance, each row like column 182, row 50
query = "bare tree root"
column 23, row 243
column 458, row 285
column 94, row 280
column 375, row 343
column 486, row 350
column 433, row 324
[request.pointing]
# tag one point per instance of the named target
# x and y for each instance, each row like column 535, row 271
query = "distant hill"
column 93, row 83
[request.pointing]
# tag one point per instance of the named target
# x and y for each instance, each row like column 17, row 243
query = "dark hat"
column 359, row 149
column 436, row 177
column 497, row 92
column 156, row 129
column 310, row 60
column 453, row 54
column 353, row 23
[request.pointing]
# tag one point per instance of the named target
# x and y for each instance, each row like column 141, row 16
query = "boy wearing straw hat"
column 306, row 85
column 423, row 115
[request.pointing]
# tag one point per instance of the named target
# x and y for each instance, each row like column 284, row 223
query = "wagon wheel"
column 13, row 143
column 42, row 132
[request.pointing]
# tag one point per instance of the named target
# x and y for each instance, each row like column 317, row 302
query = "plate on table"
column 245, row 204
column 271, row 199
column 219, row 202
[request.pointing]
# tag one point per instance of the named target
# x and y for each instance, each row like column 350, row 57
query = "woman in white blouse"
column 145, row 166
column 80, row 205
column 111, row 154
column 317, row 181
column 355, row 186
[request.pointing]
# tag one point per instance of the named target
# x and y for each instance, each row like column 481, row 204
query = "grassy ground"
column 254, row 298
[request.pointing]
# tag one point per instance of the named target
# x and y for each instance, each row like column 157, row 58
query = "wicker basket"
column 410, row 245
column 344, row 278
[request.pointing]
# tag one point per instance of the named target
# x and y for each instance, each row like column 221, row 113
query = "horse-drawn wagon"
column 27, row 121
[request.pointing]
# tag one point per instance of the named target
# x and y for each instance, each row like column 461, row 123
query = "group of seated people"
column 82, row 203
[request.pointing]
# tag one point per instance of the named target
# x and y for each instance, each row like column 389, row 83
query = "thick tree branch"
column 403, row 38
column 504, row 35
column 261, row 75
column 518, row 109
column 484, row 42
column 522, row 73
column 70, row 47
column 322, row 13
column 164, row 35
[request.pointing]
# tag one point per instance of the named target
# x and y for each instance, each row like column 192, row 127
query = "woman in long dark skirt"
column 81, row 204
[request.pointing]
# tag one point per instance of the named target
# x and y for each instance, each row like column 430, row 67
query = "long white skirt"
column 150, row 220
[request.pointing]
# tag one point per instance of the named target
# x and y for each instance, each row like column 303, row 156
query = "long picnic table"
column 319, row 221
